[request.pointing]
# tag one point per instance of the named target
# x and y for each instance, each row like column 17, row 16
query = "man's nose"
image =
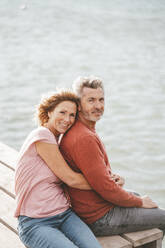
column 99, row 105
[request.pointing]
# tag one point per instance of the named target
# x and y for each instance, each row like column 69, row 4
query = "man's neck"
column 89, row 124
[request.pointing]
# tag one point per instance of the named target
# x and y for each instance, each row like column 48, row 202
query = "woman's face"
column 62, row 117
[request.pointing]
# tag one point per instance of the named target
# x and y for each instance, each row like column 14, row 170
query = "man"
column 107, row 208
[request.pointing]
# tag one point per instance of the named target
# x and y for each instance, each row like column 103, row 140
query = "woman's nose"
column 67, row 118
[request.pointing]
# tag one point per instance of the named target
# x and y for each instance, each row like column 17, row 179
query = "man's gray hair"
column 89, row 82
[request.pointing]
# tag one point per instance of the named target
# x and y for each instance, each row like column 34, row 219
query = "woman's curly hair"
column 48, row 104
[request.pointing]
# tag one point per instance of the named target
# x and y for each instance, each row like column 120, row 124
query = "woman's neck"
column 53, row 130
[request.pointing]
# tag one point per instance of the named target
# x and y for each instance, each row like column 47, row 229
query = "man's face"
column 92, row 104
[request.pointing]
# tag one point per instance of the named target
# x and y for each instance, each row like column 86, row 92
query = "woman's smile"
column 62, row 117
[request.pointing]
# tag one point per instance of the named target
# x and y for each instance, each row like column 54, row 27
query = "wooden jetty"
column 8, row 224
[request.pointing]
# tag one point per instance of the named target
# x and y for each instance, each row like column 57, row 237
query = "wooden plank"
column 8, row 156
column 7, row 211
column 154, row 244
column 7, row 179
column 114, row 241
column 9, row 239
column 143, row 237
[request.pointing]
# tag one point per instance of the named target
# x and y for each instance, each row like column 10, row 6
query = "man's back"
column 85, row 153
column 108, row 208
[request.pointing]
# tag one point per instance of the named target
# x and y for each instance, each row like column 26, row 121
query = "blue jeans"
column 64, row 230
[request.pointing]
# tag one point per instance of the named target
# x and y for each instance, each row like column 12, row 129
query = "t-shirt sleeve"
column 44, row 135
column 39, row 134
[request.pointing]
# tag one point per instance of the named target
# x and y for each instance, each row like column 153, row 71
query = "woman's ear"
column 49, row 114
column 79, row 107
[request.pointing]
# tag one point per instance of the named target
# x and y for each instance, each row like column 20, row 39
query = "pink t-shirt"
column 38, row 191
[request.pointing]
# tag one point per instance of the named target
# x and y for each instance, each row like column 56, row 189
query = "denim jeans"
column 64, row 230
column 122, row 220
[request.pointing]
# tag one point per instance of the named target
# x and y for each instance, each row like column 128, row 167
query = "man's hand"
column 118, row 179
column 148, row 203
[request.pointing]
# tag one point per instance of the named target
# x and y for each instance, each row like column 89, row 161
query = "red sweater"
column 84, row 151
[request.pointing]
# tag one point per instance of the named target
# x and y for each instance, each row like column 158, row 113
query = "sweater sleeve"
column 90, row 160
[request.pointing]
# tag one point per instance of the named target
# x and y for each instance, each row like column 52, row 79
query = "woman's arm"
column 51, row 154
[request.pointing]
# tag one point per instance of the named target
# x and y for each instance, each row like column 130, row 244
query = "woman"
column 45, row 219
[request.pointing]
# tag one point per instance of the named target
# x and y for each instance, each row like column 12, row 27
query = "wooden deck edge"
column 7, row 192
column 8, row 226
column 8, row 166
column 8, row 156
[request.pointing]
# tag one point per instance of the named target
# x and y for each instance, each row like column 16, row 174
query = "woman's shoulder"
column 40, row 133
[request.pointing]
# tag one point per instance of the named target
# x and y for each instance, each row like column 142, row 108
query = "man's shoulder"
column 77, row 133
